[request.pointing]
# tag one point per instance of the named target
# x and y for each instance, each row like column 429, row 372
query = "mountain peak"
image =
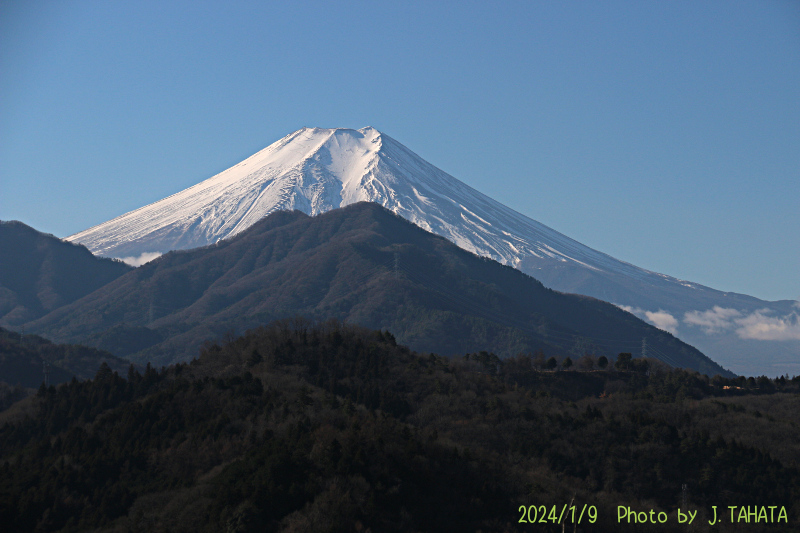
column 315, row 170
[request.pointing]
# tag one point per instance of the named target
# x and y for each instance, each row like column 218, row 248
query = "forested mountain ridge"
column 326, row 427
column 40, row 273
column 22, row 359
column 362, row 264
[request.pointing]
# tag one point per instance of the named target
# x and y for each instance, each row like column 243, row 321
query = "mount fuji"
column 315, row 170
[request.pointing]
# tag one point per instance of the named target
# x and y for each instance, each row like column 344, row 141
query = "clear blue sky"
column 666, row 134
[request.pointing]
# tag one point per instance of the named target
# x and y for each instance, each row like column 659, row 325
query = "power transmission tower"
column 644, row 347
column 46, row 369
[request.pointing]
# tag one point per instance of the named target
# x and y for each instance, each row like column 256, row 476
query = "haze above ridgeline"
column 315, row 170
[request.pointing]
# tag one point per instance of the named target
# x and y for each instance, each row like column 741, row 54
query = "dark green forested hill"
column 361, row 264
column 22, row 358
column 303, row 427
column 40, row 272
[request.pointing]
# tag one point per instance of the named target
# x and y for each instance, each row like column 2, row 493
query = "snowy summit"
column 315, row 170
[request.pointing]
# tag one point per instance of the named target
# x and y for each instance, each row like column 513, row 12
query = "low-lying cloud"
column 139, row 260
column 763, row 324
column 769, row 328
column 661, row 319
column 759, row 325
column 714, row 320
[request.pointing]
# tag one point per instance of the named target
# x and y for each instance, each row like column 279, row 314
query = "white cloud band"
column 663, row 320
column 660, row 319
column 762, row 324
column 139, row 260
column 759, row 325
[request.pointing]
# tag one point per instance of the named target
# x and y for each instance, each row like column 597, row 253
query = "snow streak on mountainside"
column 315, row 170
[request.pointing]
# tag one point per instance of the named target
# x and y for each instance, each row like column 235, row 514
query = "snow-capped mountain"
column 315, row 170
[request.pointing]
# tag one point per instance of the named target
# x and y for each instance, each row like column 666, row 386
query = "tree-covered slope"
column 39, row 273
column 23, row 359
column 301, row 427
column 361, row 264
